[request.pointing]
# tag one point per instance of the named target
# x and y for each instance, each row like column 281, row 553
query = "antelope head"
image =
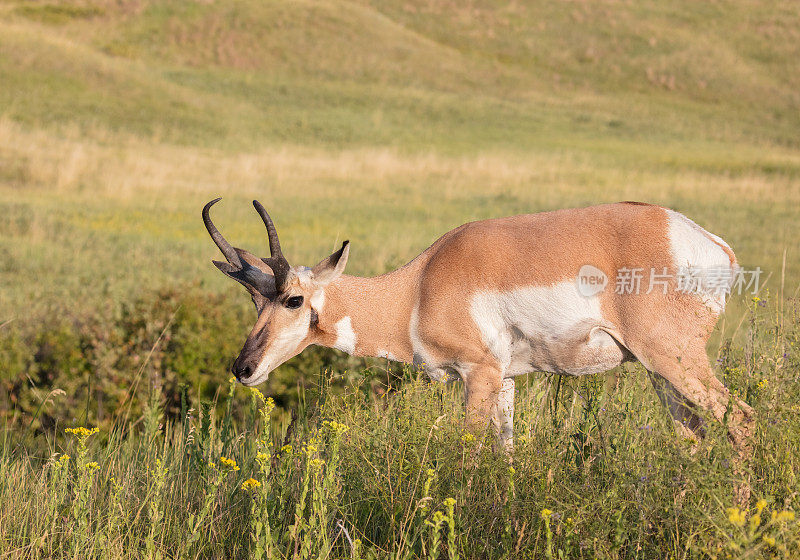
column 284, row 296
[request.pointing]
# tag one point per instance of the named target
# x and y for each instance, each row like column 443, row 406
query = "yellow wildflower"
column 262, row 457
column 316, row 464
column 82, row 432
column 760, row 505
column 93, row 466
column 287, row 449
column 511, row 470
column 468, row 438
column 260, row 396
column 250, row 484
column 335, row 427
column 339, row 427
column 229, row 463
column 736, row 517
column 546, row 513
column 769, row 540
column 256, row 393
column 785, row 516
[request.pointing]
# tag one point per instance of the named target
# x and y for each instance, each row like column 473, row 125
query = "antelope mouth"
column 249, row 376
column 254, row 380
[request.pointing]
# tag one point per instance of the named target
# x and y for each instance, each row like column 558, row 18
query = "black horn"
column 276, row 261
column 226, row 248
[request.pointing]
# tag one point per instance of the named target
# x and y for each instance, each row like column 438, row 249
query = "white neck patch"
column 345, row 336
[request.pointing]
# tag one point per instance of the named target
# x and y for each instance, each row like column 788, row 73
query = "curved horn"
column 272, row 233
column 216, row 236
column 277, row 262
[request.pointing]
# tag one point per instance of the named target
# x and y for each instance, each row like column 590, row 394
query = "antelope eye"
column 294, row 302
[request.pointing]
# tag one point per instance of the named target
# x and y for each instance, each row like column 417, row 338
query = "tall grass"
column 597, row 472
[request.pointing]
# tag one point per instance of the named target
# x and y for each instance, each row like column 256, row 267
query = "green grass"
column 598, row 472
column 387, row 124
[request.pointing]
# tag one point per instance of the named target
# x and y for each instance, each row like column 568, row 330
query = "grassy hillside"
column 395, row 122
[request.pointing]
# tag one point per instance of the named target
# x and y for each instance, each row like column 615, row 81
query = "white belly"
column 546, row 328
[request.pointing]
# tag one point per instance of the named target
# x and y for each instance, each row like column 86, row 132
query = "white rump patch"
column 345, row 336
column 696, row 249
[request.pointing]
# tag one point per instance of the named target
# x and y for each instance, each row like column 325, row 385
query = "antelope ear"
column 255, row 275
column 329, row 269
column 249, row 258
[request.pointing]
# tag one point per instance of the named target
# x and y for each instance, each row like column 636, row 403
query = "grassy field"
column 597, row 473
column 388, row 124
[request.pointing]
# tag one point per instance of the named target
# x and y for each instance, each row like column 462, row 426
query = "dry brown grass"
column 124, row 167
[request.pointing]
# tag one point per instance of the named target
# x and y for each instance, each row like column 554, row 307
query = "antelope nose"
column 241, row 371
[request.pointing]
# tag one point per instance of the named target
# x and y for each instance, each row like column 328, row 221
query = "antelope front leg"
column 503, row 418
column 482, row 389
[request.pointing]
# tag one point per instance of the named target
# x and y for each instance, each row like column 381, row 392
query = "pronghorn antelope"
column 497, row 298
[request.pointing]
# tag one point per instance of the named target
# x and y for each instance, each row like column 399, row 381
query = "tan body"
column 498, row 298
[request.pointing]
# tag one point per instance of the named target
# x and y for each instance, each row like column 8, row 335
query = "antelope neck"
column 370, row 316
